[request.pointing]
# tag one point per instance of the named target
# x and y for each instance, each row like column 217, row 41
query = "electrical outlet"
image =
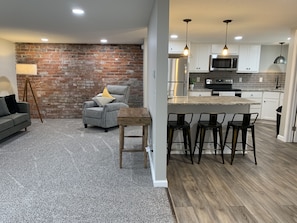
column 240, row 80
column 198, row 79
column 261, row 79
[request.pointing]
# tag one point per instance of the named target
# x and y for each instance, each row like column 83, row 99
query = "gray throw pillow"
column 3, row 108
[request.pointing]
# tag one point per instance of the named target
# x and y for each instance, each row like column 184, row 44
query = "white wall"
column 290, row 94
column 8, row 81
column 157, row 49
column 268, row 55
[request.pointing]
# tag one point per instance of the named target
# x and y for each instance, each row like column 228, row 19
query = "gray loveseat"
column 11, row 123
column 106, row 116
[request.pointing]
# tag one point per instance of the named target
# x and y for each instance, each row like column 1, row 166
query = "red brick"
column 69, row 74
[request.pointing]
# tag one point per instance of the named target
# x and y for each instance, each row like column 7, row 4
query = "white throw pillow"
column 101, row 101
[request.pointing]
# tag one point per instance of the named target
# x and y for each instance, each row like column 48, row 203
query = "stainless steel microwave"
column 223, row 63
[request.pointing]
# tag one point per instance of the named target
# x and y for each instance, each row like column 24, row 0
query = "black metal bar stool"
column 210, row 121
column 179, row 122
column 243, row 122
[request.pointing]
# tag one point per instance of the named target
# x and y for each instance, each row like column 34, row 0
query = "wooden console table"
column 133, row 117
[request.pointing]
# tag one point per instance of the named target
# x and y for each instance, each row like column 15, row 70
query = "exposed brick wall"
column 69, row 74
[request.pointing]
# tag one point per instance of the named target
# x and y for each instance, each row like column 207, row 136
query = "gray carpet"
column 59, row 171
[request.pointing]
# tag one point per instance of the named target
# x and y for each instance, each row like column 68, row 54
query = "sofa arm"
column 24, row 107
column 89, row 104
column 114, row 106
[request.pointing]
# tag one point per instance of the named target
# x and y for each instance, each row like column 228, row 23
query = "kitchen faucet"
column 277, row 82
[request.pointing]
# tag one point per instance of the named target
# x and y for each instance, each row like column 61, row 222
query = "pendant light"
column 186, row 49
column 280, row 59
column 225, row 49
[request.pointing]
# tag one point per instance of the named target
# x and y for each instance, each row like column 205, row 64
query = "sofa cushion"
column 94, row 112
column 18, row 118
column 11, row 103
column 5, row 123
column 3, row 108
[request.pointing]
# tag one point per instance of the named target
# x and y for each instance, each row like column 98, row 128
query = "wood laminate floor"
column 242, row 192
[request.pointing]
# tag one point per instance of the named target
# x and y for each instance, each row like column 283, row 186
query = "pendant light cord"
column 226, row 36
column 187, row 34
column 187, row 21
column 281, row 43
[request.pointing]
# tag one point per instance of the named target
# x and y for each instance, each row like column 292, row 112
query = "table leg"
column 121, row 146
column 144, row 144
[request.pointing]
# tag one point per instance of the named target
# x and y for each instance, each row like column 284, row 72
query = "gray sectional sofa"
column 14, row 117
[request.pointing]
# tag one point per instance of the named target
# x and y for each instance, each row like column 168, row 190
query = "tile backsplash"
column 248, row 81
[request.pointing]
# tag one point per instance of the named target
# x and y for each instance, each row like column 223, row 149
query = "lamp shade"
column 26, row 69
column 280, row 60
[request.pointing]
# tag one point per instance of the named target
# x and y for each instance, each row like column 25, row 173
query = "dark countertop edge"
column 242, row 90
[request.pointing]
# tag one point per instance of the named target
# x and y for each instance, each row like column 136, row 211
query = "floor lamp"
column 28, row 69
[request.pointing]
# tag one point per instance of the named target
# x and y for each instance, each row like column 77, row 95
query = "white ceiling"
column 125, row 21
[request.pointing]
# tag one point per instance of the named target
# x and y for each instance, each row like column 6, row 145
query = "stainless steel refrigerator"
column 177, row 77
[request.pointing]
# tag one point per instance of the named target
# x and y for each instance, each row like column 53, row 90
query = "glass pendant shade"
column 280, row 59
column 225, row 49
column 186, row 49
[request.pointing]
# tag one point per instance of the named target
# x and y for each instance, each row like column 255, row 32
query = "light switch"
column 261, row 79
column 198, row 79
column 240, row 79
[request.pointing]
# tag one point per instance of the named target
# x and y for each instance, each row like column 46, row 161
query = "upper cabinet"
column 249, row 58
column 218, row 48
column 176, row 47
column 199, row 58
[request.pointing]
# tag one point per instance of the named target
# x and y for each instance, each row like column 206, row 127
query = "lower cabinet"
column 270, row 103
column 254, row 96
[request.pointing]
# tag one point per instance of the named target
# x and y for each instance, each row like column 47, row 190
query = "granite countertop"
column 210, row 100
column 201, row 90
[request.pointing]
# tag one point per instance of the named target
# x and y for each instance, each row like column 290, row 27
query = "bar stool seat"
column 209, row 121
column 243, row 122
column 179, row 122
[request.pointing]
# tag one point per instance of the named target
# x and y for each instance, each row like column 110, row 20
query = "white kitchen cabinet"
column 199, row 93
column 281, row 99
column 176, row 47
column 199, row 58
column 270, row 103
column 255, row 96
column 249, row 58
column 218, row 49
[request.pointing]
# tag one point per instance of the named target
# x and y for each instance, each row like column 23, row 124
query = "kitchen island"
column 207, row 104
column 196, row 105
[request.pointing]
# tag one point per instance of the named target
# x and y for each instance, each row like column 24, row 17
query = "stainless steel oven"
column 222, row 87
column 226, row 92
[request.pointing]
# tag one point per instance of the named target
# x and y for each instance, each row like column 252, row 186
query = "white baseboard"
column 156, row 183
column 281, row 138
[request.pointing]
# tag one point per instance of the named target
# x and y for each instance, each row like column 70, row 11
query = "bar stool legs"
column 211, row 123
column 247, row 122
column 179, row 124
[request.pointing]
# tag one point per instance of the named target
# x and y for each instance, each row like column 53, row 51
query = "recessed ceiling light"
column 78, row 11
column 238, row 37
column 289, row 38
column 103, row 40
column 44, row 39
column 174, row 36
